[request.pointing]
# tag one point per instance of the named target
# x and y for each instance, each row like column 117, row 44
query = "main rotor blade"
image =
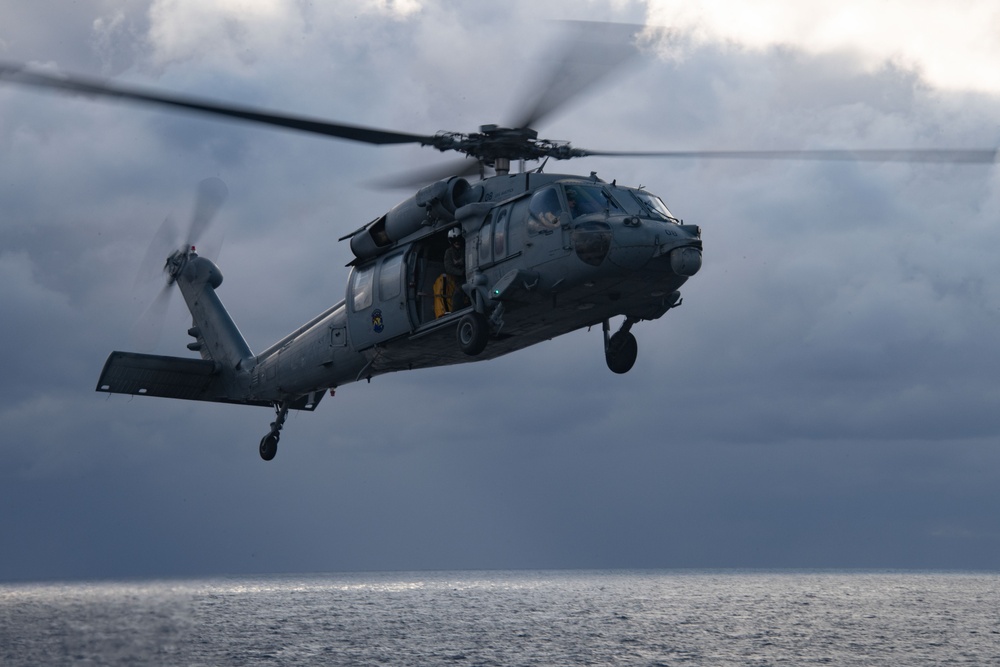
column 87, row 86
column 930, row 155
column 590, row 52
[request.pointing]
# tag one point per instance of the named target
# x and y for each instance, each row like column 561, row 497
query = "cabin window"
column 361, row 287
column 543, row 211
column 484, row 241
column 587, row 199
column 389, row 277
column 500, row 237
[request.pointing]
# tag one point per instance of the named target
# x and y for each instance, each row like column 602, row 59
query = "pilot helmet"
column 454, row 233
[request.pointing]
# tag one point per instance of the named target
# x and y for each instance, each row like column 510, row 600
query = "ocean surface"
column 671, row 617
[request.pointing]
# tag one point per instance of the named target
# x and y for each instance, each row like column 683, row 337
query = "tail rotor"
column 168, row 242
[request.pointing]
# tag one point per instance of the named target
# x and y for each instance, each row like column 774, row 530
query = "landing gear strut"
column 269, row 443
column 620, row 349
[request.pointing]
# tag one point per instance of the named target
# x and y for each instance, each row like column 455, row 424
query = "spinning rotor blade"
column 212, row 193
column 593, row 51
column 928, row 155
column 87, row 86
column 590, row 52
column 148, row 328
column 165, row 241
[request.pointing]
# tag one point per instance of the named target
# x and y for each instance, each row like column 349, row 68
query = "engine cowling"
column 431, row 205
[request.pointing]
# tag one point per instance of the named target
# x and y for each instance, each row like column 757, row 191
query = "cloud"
column 824, row 397
column 952, row 48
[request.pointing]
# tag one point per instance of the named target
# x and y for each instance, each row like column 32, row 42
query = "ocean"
column 670, row 617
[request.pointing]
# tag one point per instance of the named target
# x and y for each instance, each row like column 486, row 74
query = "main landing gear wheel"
column 622, row 352
column 473, row 333
column 269, row 446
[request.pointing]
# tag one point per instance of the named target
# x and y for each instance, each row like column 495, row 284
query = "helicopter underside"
column 535, row 317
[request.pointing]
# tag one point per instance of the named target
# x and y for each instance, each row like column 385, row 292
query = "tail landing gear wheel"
column 269, row 443
column 269, row 446
column 473, row 333
column 621, row 353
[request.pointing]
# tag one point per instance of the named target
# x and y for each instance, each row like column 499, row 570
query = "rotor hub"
column 493, row 142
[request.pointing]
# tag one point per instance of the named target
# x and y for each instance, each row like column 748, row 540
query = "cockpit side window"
column 543, row 211
column 587, row 199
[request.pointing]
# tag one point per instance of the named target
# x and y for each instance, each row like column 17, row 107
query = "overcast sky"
column 827, row 395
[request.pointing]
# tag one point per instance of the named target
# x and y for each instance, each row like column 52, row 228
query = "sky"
column 826, row 397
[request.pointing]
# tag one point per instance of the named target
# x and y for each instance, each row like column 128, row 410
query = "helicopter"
column 463, row 270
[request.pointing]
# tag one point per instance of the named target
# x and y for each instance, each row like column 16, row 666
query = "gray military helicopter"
column 539, row 255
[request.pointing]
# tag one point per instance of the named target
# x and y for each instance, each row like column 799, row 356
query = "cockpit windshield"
column 586, row 199
column 654, row 205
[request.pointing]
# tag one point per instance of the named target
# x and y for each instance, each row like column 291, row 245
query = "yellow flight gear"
column 444, row 288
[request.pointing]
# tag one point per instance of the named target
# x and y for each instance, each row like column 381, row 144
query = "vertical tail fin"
column 217, row 337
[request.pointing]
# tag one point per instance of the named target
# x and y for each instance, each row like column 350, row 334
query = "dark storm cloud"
column 824, row 397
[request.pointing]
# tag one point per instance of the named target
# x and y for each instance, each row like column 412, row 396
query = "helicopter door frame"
column 376, row 300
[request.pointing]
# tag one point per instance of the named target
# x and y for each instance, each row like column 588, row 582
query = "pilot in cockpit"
column 581, row 201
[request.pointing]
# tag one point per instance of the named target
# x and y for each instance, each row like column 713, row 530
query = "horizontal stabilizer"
column 176, row 377
column 155, row 375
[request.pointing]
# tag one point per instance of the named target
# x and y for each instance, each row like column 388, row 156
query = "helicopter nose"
column 686, row 260
column 636, row 243
column 633, row 244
